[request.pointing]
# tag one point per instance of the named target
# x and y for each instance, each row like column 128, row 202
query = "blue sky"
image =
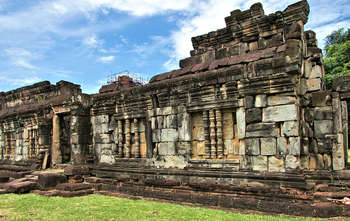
column 85, row 41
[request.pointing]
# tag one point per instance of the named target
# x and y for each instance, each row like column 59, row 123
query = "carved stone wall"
column 250, row 97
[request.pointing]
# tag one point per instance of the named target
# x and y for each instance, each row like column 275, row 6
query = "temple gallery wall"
column 250, row 100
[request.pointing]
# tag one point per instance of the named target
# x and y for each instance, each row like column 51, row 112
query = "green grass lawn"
column 98, row 207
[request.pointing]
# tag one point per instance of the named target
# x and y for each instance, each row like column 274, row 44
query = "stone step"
column 20, row 186
column 63, row 193
column 73, row 187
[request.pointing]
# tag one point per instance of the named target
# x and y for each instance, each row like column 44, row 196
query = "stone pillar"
column 220, row 146
column 206, row 134
column 120, row 138
column 212, row 134
column 127, row 138
column 137, row 139
column 56, row 155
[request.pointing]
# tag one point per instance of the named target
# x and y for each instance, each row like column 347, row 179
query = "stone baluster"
column 206, row 134
column 127, row 139
column 212, row 134
column 219, row 135
column 137, row 139
column 120, row 138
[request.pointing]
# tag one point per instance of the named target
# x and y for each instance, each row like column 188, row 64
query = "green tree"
column 337, row 59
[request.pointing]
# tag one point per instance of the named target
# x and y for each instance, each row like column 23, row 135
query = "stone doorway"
column 61, row 149
column 65, row 134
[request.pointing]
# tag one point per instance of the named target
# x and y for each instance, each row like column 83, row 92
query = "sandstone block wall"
column 251, row 97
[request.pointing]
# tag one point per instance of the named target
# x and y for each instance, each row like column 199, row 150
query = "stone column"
column 220, row 146
column 56, row 154
column 127, row 138
column 206, row 134
column 120, row 138
column 137, row 139
column 212, row 134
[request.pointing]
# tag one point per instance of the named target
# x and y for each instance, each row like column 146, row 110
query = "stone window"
column 131, row 138
column 214, row 135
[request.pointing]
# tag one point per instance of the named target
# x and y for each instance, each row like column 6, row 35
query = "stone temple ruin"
column 246, row 122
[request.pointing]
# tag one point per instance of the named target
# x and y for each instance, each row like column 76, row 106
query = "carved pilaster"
column 127, row 139
column 212, row 134
column 137, row 138
column 120, row 138
column 219, row 135
column 206, row 133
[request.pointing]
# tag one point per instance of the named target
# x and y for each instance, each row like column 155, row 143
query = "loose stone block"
column 280, row 113
column 253, row 146
column 260, row 100
column 323, row 127
column 169, row 135
column 276, row 164
column 268, row 146
column 290, row 129
column 259, row 163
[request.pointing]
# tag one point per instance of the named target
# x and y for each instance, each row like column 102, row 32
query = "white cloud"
column 92, row 42
column 19, row 81
column 20, row 57
column 106, row 59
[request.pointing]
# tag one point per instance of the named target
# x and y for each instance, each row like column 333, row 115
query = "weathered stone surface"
column 253, row 146
column 280, row 113
column 167, row 148
column 290, row 129
column 49, row 180
column 313, row 84
column 259, row 163
column 253, row 115
column 260, row 100
column 276, row 164
column 277, row 100
column 241, row 124
column 292, row 162
column 169, row 135
column 323, row 113
column 268, row 146
column 248, row 102
column 322, row 128
column 261, row 130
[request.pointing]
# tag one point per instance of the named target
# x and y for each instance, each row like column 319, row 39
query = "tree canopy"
column 337, row 59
